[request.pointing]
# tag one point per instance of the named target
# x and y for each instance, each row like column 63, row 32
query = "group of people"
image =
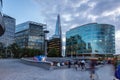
column 77, row 64
column 80, row 64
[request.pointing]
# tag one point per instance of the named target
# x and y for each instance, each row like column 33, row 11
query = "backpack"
column 117, row 72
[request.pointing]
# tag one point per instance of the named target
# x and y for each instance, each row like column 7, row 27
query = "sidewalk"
column 106, row 72
column 14, row 70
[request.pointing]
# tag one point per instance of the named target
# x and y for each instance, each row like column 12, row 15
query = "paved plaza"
column 12, row 69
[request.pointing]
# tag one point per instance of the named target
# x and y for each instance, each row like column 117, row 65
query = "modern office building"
column 90, row 39
column 9, row 36
column 55, row 41
column 30, row 35
column 2, row 27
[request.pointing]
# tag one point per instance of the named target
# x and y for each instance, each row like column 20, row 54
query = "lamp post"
column 44, row 35
column 45, row 41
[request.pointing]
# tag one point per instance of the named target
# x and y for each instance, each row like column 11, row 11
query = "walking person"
column 79, row 64
column 117, row 73
column 93, row 74
column 76, row 65
column 83, row 65
column 69, row 64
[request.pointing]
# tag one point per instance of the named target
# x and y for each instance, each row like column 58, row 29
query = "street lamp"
column 45, row 41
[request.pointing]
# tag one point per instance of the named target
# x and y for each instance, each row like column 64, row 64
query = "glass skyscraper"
column 9, row 36
column 30, row 35
column 56, row 41
column 91, row 38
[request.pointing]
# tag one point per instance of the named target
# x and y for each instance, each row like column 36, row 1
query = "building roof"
column 5, row 15
column 88, row 24
column 32, row 22
column 25, row 25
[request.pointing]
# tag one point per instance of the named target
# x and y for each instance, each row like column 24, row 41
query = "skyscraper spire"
column 58, row 28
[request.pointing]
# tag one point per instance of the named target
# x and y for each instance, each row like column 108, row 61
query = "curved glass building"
column 91, row 38
column 2, row 29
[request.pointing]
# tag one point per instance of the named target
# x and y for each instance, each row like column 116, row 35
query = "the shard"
column 58, row 32
column 58, row 28
column 56, row 41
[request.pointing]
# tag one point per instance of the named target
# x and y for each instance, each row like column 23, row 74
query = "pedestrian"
column 115, row 63
column 117, row 72
column 79, row 63
column 76, row 65
column 92, row 69
column 69, row 64
column 58, row 64
column 62, row 63
column 82, row 64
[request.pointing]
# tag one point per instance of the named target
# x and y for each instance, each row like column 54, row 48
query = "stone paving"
column 12, row 69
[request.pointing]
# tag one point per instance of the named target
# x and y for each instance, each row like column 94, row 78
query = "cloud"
column 67, row 17
column 105, row 5
column 117, row 37
column 92, row 17
column 78, row 12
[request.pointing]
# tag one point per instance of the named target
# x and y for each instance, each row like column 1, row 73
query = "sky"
column 73, row 13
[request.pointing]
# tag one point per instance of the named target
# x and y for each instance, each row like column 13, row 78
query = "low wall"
column 46, row 65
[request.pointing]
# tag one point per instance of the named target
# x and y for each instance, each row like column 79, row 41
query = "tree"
column 27, row 52
column 15, row 49
column 53, row 53
column 1, row 49
column 19, row 52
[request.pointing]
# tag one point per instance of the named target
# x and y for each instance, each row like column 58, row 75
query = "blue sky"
column 73, row 13
column 22, row 10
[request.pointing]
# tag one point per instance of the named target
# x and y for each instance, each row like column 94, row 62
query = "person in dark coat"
column 69, row 64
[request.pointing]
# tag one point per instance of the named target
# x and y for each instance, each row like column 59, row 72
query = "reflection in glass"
column 91, row 38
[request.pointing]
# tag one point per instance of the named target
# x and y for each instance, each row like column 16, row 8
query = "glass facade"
column 55, row 43
column 58, row 28
column 30, row 35
column 8, row 37
column 91, row 38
